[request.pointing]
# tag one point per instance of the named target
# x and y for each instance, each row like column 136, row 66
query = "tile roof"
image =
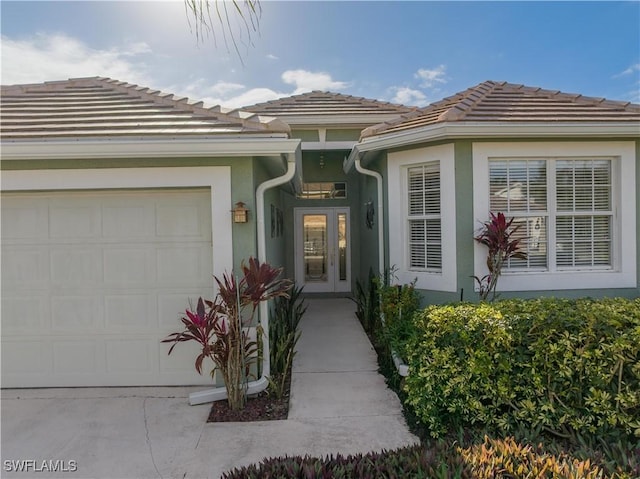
column 327, row 104
column 102, row 107
column 506, row 102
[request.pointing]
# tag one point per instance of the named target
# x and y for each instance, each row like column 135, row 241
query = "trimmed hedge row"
column 566, row 367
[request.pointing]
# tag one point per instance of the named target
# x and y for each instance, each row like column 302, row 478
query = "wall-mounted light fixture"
column 240, row 213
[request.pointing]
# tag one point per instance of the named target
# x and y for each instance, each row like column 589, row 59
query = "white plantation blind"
column 584, row 213
column 518, row 189
column 423, row 217
column 566, row 201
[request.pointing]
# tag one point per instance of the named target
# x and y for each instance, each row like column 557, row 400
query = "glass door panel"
column 315, row 248
column 342, row 246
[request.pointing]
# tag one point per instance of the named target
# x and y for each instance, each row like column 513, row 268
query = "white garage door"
column 92, row 281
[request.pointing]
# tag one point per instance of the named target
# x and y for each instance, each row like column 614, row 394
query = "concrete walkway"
column 339, row 403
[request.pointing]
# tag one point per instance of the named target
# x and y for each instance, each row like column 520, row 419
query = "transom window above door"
column 323, row 190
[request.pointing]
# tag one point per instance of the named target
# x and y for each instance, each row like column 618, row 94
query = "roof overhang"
column 493, row 130
column 274, row 145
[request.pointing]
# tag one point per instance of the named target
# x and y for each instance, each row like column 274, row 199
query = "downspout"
column 254, row 387
column 378, row 177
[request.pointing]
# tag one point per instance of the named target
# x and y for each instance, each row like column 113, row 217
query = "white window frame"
column 397, row 165
column 623, row 272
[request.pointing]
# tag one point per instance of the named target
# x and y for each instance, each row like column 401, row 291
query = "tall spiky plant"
column 497, row 235
column 221, row 326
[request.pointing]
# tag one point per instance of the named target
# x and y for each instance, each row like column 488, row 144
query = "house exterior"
column 565, row 166
column 117, row 208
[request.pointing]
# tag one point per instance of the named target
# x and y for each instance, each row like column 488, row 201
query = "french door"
column 323, row 249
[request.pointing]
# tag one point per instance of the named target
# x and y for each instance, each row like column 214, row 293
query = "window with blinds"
column 424, row 217
column 518, row 189
column 584, row 213
column 563, row 207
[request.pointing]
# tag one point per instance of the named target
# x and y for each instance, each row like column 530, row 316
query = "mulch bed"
column 261, row 407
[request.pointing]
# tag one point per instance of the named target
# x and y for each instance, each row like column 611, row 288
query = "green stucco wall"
column 273, row 202
column 346, row 134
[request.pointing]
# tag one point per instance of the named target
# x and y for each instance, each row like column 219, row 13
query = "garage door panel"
column 128, row 221
column 75, row 267
column 25, row 267
column 130, row 312
column 77, row 357
column 23, row 221
column 74, row 221
column 130, row 266
column 25, row 314
column 182, row 221
column 129, row 356
column 90, row 290
column 184, row 265
column 70, row 313
column 22, row 356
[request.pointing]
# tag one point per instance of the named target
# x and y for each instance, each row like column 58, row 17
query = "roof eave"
column 451, row 130
column 148, row 148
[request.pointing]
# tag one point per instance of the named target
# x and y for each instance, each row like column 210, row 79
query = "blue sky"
column 407, row 52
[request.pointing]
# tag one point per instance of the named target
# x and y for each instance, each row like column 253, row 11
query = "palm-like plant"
column 221, row 326
column 497, row 235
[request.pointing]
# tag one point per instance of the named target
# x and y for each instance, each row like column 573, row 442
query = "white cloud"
column 409, row 96
column 430, row 77
column 202, row 90
column 46, row 57
column 225, row 88
column 271, row 56
column 305, row 81
column 249, row 97
column 228, row 94
column 629, row 71
column 137, row 48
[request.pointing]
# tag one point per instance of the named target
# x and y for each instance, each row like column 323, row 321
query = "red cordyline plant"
column 497, row 235
column 221, row 326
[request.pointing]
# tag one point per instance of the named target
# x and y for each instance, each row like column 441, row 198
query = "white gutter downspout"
column 378, row 177
column 254, row 387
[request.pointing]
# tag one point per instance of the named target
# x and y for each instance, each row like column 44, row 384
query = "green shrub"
column 398, row 305
column 570, row 368
column 460, row 367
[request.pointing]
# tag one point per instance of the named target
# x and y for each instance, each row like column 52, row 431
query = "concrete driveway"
column 339, row 403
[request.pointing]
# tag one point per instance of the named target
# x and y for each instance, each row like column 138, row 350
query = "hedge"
column 570, row 368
